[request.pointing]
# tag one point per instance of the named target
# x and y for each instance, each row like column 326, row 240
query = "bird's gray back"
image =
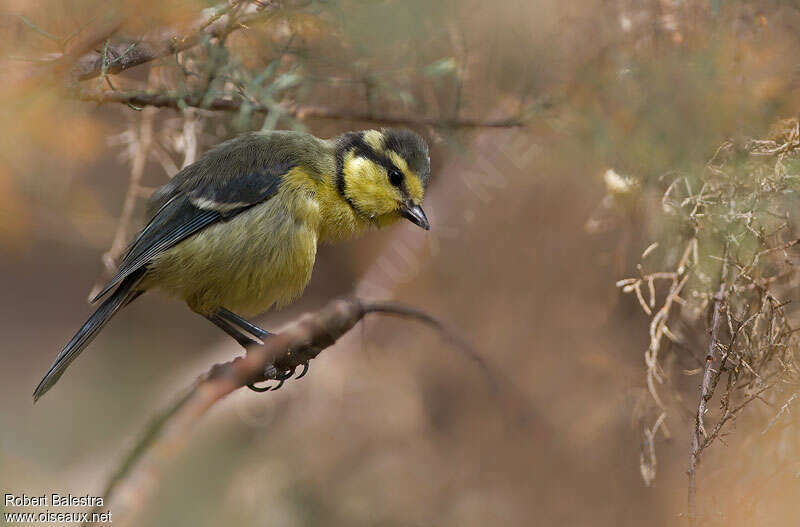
column 273, row 152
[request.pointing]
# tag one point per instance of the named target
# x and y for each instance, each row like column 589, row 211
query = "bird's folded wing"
column 188, row 212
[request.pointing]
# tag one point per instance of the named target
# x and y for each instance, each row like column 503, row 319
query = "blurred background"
column 526, row 105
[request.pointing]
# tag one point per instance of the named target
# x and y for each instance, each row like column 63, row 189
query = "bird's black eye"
column 395, row 177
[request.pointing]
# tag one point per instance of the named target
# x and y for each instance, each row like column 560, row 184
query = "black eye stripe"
column 365, row 151
column 396, row 176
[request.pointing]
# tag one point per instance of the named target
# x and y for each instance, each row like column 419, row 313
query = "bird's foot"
column 273, row 374
column 305, row 354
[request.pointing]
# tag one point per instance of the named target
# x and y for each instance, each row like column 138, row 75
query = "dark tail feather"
column 125, row 293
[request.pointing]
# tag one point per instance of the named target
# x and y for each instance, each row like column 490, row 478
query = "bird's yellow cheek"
column 368, row 188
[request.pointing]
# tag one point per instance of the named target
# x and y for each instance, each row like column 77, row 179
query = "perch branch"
column 177, row 102
column 135, row 478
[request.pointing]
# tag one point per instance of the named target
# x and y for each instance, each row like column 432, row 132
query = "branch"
column 458, row 342
column 178, row 102
column 706, row 392
column 216, row 24
column 730, row 414
column 136, row 477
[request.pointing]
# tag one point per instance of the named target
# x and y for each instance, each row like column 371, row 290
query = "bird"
column 236, row 232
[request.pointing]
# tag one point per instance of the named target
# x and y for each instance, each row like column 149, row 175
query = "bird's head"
column 383, row 174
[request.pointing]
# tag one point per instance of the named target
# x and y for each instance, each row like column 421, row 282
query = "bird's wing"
column 189, row 210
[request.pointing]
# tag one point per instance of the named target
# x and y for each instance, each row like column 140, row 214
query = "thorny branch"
column 137, row 475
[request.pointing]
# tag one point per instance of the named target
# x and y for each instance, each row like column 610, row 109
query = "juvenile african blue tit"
column 236, row 232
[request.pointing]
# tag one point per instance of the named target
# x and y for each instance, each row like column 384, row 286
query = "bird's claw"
column 302, row 373
column 272, row 373
column 282, row 376
column 259, row 390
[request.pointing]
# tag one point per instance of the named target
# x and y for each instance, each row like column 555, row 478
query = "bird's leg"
column 242, row 323
column 237, row 327
column 238, row 335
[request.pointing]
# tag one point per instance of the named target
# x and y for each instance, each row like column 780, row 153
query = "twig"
column 730, row 414
column 210, row 26
column 142, row 148
column 647, row 457
column 706, row 392
column 456, row 340
column 189, row 136
column 52, row 69
column 136, row 477
column 783, row 410
column 139, row 153
column 177, row 102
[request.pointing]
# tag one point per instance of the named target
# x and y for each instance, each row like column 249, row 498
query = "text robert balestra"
column 52, row 500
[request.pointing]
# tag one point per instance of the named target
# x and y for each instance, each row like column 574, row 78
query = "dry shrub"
column 718, row 284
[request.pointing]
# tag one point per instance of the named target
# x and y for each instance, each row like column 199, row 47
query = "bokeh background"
column 391, row 426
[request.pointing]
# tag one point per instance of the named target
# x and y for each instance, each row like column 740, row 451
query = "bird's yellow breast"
column 259, row 258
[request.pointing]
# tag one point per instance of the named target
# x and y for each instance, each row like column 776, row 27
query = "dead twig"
column 784, row 410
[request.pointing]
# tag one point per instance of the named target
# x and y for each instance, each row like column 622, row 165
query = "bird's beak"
column 415, row 215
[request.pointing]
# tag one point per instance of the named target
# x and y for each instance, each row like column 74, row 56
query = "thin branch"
column 137, row 475
column 214, row 25
column 706, row 392
column 144, row 140
column 784, row 410
column 730, row 414
column 189, row 136
column 178, row 102
column 139, row 151
column 452, row 337
column 68, row 61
